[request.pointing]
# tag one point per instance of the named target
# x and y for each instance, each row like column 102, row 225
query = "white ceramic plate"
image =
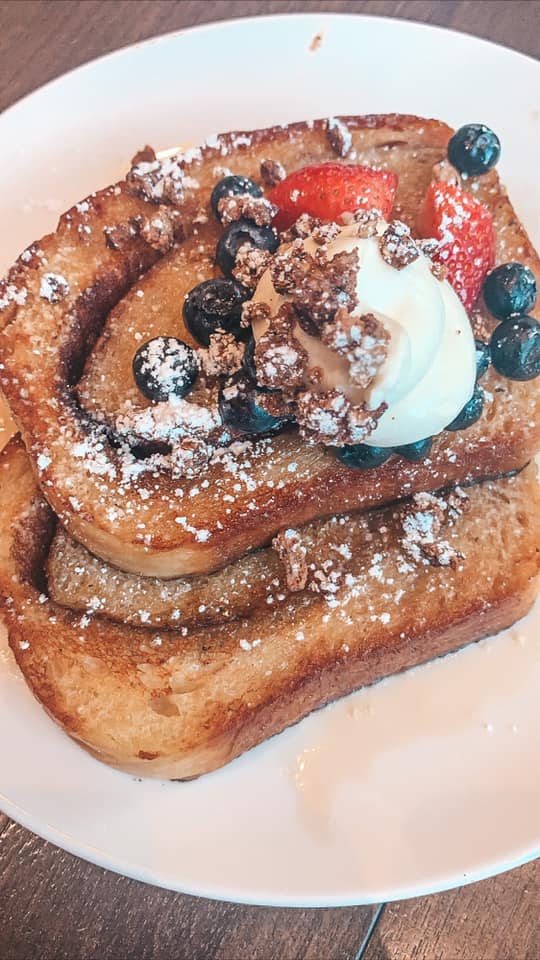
column 423, row 782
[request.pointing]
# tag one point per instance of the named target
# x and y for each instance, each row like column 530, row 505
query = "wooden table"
column 54, row 906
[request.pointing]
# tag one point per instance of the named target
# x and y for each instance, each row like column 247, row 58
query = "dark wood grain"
column 54, row 906
column 495, row 920
column 40, row 39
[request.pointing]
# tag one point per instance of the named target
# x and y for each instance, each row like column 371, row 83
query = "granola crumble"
column 330, row 418
column 422, row 526
column 367, row 222
column 303, row 227
column 321, row 292
column 280, row 358
column 160, row 181
column 339, row 137
column 323, row 233
column 317, row 287
column 223, row 355
column 53, row 287
column 255, row 311
column 363, row 341
column 288, row 267
column 257, row 209
column 146, row 155
column 251, row 263
column 397, row 246
column 272, row 172
column 292, row 553
column 159, row 231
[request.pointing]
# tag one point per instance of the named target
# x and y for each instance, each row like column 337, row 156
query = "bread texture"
column 58, row 360
column 179, row 703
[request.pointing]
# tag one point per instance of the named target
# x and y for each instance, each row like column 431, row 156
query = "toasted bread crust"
column 40, row 386
column 188, row 704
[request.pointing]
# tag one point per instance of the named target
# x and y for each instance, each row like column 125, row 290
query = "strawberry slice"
column 330, row 189
column 464, row 228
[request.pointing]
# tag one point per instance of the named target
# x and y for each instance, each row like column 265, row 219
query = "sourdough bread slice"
column 180, row 703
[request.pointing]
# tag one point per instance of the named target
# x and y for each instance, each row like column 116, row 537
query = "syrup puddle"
column 448, row 712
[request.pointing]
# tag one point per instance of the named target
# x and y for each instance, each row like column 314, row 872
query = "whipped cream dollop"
column 428, row 373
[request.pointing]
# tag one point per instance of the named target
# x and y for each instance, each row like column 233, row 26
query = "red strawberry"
column 467, row 238
column 330, row 189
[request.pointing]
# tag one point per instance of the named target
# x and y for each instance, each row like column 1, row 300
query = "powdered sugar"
column 53, row 287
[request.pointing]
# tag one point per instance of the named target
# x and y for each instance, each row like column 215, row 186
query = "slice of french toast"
column 180, row 703
column 136, row 513
column 79, row 581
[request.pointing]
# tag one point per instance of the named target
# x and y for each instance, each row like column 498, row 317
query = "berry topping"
column 416, row 451
column 240, row 411
column 363, row 457
column 242, row 233
column 165, row 367
column 510, row 290
column 472, row 411
column 474, row 149
column 215, row 304
column 331, row 189
column 233, row 186
column 248, row 362
column 464, row 229
column 515, row 348
column 483, row 358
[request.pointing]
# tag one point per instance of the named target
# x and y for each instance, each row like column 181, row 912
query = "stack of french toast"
column 277, row 406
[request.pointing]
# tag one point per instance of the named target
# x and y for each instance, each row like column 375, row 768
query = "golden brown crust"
column 108, row 514
column 188, row 704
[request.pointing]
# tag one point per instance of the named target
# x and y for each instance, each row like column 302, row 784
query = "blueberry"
column 483, row 358
column 416, row 451
column 239, row 233
column 471, row 412
column 215, row 303
column 240, row 411
column 474, row 149
column 165, row 367
column 510, row 290
column 363, row 457
column 248, row 360
column 515, row 348
column 233, row 186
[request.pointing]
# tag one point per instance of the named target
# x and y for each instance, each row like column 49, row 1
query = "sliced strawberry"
column 331, row 189
column 465, row 230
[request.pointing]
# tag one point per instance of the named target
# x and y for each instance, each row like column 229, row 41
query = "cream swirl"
column 429, row 371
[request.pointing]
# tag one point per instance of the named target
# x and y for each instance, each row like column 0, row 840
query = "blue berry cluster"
column 510, row 292
column 214, row 305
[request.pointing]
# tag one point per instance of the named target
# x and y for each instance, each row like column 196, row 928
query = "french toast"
column 81, row 582
column 64, row 345
column 181, row 703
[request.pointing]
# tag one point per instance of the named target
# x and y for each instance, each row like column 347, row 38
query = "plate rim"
column 100, row 858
